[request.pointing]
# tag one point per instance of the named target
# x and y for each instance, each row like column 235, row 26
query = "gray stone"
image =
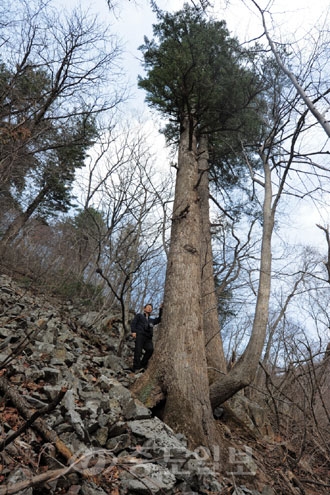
column 16, row 310
column 5, row 332
column 159, row 441
column 34, row 402
column 93, row 406
column 33, row 373
column 153, row 428
column 89, row 319
column 102, row 436
column 117, row 444
column 268, row 490
column 52, row 375
column 103, row 419
column 44, row 345
column 72, row 441
column 105, row 383
column 212, row 484
column 64, row 428
column 196, row 466
column 98, row 360
column 118, row 392
column 136, row 410
column 89, row 488
column 118, row 428
column 20, row 474
column 113, row 362
column 57, row 362
column 5, row 344
column 114, row 411
column 3, row 357
column 90, row 394
column 151, row 478
column 52, row 391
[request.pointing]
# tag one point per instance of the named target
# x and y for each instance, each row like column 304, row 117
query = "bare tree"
column 280, row 153
column 310, row 102
column 122, row 183
column 53, row 87
column 327, row 237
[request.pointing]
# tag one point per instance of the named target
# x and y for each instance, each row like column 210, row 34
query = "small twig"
column 36, row 480
column 39, row 425
column 42, row 478
column 32, row 419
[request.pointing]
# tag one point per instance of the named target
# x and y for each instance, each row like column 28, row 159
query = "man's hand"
column 133, row 335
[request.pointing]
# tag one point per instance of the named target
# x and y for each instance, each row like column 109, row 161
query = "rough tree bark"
column 178, row 369
column 214, row 350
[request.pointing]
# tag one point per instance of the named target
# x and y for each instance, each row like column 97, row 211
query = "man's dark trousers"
column 142, row 343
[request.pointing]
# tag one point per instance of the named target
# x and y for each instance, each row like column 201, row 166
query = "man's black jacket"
column 143, row 325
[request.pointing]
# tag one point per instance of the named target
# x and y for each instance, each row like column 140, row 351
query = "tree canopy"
column 195, row 67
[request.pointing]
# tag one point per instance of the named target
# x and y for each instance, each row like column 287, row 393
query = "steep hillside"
column 70, row 425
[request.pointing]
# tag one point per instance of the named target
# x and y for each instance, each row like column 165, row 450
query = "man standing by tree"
column 201, row 79
column 142, row 330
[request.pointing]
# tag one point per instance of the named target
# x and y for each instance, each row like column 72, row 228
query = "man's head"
column 148, row 308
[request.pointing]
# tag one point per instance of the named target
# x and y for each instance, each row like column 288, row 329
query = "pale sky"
column 133, row 20
column 290, row 20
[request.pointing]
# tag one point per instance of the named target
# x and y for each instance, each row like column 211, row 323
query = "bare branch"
column 309, row 103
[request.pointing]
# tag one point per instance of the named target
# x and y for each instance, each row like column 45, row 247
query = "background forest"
column 87, row 197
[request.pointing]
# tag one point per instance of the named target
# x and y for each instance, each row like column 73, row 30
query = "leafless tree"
column 310, row 99
column 56, row 73
column 123, row 184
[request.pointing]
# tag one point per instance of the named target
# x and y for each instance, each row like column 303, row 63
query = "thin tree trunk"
column 260, row 378
column 214, row 350
column 15, row 227
column 327, row 236
column 321, row 118
column 243, row 373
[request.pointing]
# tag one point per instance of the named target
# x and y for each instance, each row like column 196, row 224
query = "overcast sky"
column 289, row 20
column 134, row 19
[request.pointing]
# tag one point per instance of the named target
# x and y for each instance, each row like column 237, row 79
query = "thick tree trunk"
column 178, row 370
column 243, row 373
column 214, row 350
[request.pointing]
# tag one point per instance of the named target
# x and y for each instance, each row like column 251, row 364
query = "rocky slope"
column 70, row 425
